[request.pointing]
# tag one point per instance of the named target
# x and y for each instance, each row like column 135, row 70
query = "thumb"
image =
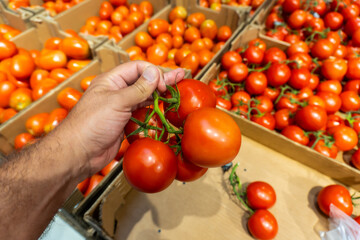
column 142, row 89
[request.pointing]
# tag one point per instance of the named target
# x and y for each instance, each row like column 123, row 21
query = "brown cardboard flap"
column 18, row 20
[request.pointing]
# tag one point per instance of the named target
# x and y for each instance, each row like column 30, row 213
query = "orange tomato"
column 35, row 124
column 43, row 87
column 35, row 54
column 22, row 140
column 158, row 26
column 60, row 74
column 134, row 7
column 178, row 41
column 94, row 181
column 191, row 62
column 126, row 27
column 68, row 97
column 55, row 118
column 166, row 39
column 7, row 114
column 123, row 147
column 143, row 40
column 105, row 13
column 53, row 43
column 224, row 33
column 77, row 65
column 171, row 54
column 191, row 34
column 180, row 55
column 133, row 51
column 22, row 66
column 6, row 89
column 123, row 10
column 178, row 27
column 116, row 17
column 205, row 57
column 208, row 29
column 85, row 82
column 218, row 46
column 3, row 76
column 7, row 49
column 209, row 44
column 197, row 45
column 107, row 169
column 93, row 21
column 20, row 99
column 82, row 186
column 137, row 18
column 115, row 33
column 51, row 59
column 103, row 27
column 157, row 54
column 178, row 12
column 196, row 19
column 146, row 8
column 75, row 47
column 37, row 76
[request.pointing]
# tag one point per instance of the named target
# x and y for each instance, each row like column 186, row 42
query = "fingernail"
column 150, row 73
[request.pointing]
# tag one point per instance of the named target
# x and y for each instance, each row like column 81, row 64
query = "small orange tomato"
column 178, row 27
column 123, row 10
column 52, row 59
column 43, row 87
column 18, row 83
column 37, row 76
column 116, row 17
column 11, row 34
column 166, row 39
column 94, row 181
column 115, row 33
column 85, row 82
column 103, row 27
column 77, row 65
column 133, row 51
column 157, row 54
column 197, row 45
column 171, row 54
column 107, row 169
column 146, row 8
column 20, row 99
column 191, row 62
column 53, row 43
column 180, row 55
column 205, row 57
column 124, row 146
column 35, row 124
column 224, row 33
column 22, row 66
column 71, row 32
column 158, row 26
column 196, row 19
column 105, row 13
column 55, row 118
column 93, row 21
column 3, row 76
column 143, row 40
column 134, row 7
column 208, row 29
column 178, row 12
column 218, row 46
column 6, row 89
column 87, row 29
column 22, row 140
column 126, row 27
column 178, row 41
column 68, row 97
column 191, row 34
column 209, row 44
column 82, row 186
column 75, row 47
column 35, row 54
column 137, row 18
column 7, row 49
column 60, row 74
column 7, row 114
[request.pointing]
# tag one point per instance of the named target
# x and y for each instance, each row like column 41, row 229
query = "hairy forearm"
column 35, row 182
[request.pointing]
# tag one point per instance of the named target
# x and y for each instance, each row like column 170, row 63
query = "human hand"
column 97, row 121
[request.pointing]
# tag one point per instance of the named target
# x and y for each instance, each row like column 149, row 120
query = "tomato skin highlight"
column 149, row 166
column 337, row 195
column 216, row 136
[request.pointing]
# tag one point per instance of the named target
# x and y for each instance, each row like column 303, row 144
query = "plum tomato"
column 22, row 140
column 68, row 97
column 211, row 138
column 94, row 181
column 193, row 95
column 149, row 166
column 337, row 195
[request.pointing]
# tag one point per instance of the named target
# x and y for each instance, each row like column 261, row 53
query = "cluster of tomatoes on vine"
column 117, row 18
column 181, row 141
column 27, row 75
column 185, row 40
column 216, row 4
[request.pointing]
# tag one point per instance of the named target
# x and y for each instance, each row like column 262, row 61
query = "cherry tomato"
column 52, row 59
column 7, row 114
column 296, row 134
column 238, row 72
column 260, row 195
column 22, row 140
column 355, row 159
column 266, row 120
column 254, row 55
column 43, row 87
column 196, row 19
column 283, row 118
column 223, row 103
column 278, row 74
column 107, row 169
column 330, row 86
column 229, row 59
column 6, row 89
column 94, row 181
column 263, row 225
column 345, row 137
column 149, row 166
column 350, row 101
column 187, row 171
column 273, row 55
column 55, row 118
column 20, row 99
column 337, row 195
column 82, row 186
column 76, row 65
column 7, row 49
column 299, row 78
column 158, row 26
column 60, row 74
column 209, row 29
column 332, row 101
column 311, row 118
column 328, row 150
column 22, row 66
column 334, row 69
column 35, row 124
column 157, row 54
column 68, row 97
column 353, row 70
column 216, row 135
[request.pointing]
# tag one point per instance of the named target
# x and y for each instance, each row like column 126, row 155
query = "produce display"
column 299, row 79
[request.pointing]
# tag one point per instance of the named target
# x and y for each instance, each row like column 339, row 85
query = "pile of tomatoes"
column 52, row 6
column 117, row 18
column 182, row 141
column 182, row 40
column 216, row 4
column 7, row 32
column 27, row 75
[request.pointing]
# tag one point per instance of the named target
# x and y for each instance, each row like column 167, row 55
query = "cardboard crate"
column 19, row 20
column 236, row 20
column 207, row 209
column 338, row 168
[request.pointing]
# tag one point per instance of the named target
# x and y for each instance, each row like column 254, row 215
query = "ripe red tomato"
column 256, row 83
column 107, row 169
column 350, row 101
column 149, row 166
column 345, row 137
column 355, row 159
column 353, row 70
column 240, row 98
column 332, row 101
column 263, row 104
column 311, row 118
column 299, row 78
column 297, row 19
column 273, row 55
column 216, row 136
column 94, row 181
column 55, row 118
column 333, row 121
column 238, row 72
column 260, row 195
column 330, row 86
column 337, row 195
column 278, row 74
column 229, row 59
column 283, row 118
column 296, row 134
column 286, row 102
column 187, row 171
column 263, row 225
column 328, row 150
column 254, row 55
column 22, row 140
column 266, row 120
column 334, row 69
column 68, row 97
column 193, row 95
column 141, row 114
column 223, row 102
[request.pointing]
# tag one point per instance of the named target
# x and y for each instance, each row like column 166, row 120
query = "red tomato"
column 263, row 225
column 149, row 166
column 337, row 195
column 299, row 78
column 223, row 103
column 334, row 121
column 330, row 86
column 22, row 140
column 254, row 55
column 123, row 147
column 35, row 124
column 240, row 98
column 55, row 118
column 278, row 74
column 229, row 59
column 107, row 169
column 256, row 83
column 266, row 120
column 332, row 101
column 345, row 137
column 94, row 181
column 187, row 171
column 355, row 159
column 328, row 150
column 68, row 97
column 216, row 136
column 260, row 195
column 311, row 118
column 193, row 95
column 283, row 118
column 141, row 114
column 274, row 54
column 334, row 69
column 238, row 72
column 263, row 104
column 353, row 70
column 286, row 102
column 350, row 101
column 296, row 134
column 217, row 87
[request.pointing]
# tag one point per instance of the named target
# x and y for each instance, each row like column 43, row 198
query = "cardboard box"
column 235, row 19
column 207, row 208
column 338, row 168
column 19, row 20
